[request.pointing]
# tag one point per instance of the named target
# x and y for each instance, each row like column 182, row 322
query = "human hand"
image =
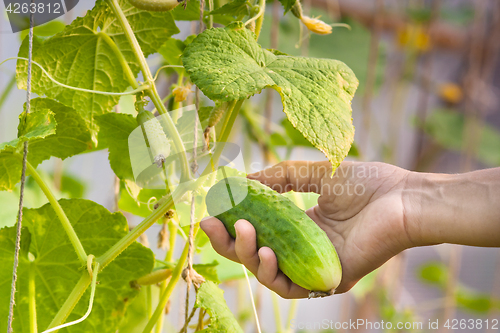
column 360, row 208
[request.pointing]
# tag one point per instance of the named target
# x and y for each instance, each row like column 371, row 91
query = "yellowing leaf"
column 228, row 64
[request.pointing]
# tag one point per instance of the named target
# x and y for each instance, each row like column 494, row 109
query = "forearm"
column 458, row 209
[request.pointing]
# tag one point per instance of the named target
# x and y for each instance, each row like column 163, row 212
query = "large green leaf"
column 351, row 46
column 63, row 131
column 211, row 298
column 228, row 64
column 80, row 56
column 57, row 269
column 72, row 136
column 35, row 126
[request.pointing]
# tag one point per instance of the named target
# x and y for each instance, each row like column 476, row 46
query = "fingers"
column 221, row 240
column 246, row 245
column 299, row 176
column 270, row 276
column 262, row 263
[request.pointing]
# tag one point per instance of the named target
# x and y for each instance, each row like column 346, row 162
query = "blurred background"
column 428, row 101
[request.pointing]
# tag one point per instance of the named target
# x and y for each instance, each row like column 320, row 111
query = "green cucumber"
column 155, row 5
column 154, row 136
column 305, row 253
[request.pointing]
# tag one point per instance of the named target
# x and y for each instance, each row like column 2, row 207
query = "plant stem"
column 176, row 274
column 172, row 234
column 277, row 315
column 129, row 34
column 291, row 313
column 262, row 5
column 126, row 68
column 152, row 92
column 260, row 20
column 148, row 301
column 8, row 89
column 72, row 300
column 32, row 299
column 172, row 231
column 75, row 241
column 232, row 113
column 210, row 17
column 125, row 242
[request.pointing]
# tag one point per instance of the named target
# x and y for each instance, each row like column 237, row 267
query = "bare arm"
column 458, row 209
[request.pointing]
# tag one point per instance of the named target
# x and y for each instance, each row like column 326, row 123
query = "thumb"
column 299, row 176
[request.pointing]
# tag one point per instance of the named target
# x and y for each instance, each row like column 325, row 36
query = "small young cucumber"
column 155, row 137
column 304, row 252
column 155, row 5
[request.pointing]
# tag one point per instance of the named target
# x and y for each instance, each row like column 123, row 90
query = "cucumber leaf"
column 228, row 64
column 57, row 269
column 71, row 138
column 211, row 298
column 82, row 56
column 287, row 4
column 36, row 126
column 208, row 271
column 63, row 131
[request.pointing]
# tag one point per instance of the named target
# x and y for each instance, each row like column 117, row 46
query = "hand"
column 360, row 208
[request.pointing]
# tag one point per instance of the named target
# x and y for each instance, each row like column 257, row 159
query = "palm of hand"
column 366, row 227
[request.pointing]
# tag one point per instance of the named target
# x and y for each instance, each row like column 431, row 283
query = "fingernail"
column 236, row 229
column 258, row 253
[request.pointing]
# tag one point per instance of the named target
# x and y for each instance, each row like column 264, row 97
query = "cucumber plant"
column 75, row 252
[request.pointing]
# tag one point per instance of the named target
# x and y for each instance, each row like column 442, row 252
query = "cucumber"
column 305, row 253
column 154, row 136
column 155, row 5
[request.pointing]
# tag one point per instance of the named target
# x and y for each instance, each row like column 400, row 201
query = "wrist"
column 424, row 209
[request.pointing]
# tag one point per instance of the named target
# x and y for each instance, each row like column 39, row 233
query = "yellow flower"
column 450, row 92
column 414, row 36
column 180, row 93
column 316, row 26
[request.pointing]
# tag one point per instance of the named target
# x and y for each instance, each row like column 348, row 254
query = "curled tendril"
column 93, row 273
column 132, row 92
column 166, row 66
column 151, row 202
